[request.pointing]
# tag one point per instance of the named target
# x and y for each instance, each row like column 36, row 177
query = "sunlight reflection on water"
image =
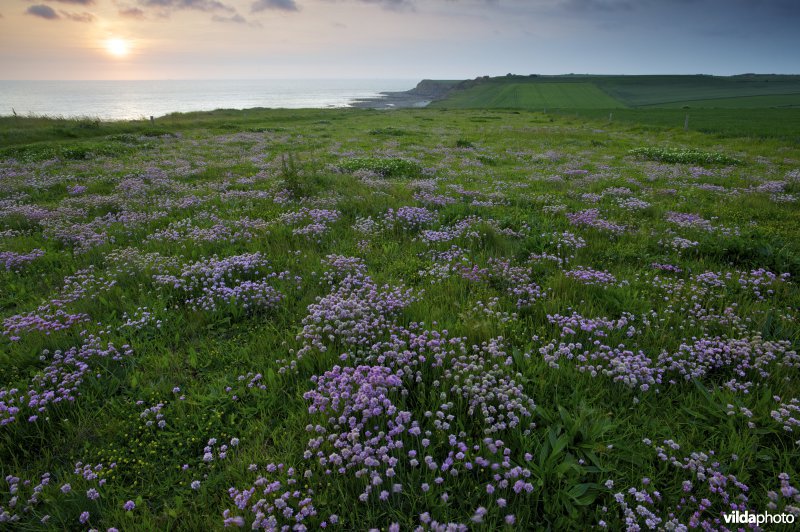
column 128, row 100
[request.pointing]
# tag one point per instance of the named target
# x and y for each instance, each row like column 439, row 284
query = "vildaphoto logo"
column 763, row 518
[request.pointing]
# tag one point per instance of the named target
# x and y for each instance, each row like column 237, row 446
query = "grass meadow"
column 534, row 96
column 578, row 91
column 408, row 320
column 782, row 125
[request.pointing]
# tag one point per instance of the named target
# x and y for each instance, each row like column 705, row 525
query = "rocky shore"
column 424, row 93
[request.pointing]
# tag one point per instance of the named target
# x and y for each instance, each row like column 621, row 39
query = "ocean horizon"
column 137, row 99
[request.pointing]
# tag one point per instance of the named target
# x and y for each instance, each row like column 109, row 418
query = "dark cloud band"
column 197, row 5
column 79, row 17
column 42, row 11
column 75, row 2
column 278, row 5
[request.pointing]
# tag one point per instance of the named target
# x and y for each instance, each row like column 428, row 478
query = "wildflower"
column 479, row 514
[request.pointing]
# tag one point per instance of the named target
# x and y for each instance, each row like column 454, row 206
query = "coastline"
column 420, row 96
column 137, row 99
column 391, row 100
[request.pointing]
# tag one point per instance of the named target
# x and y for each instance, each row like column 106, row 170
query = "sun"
column 118, row 47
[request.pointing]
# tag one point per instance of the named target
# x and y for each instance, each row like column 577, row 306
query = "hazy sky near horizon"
column 400, row 39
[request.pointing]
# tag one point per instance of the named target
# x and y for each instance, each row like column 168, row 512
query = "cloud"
column 391, row 5
column 78, row 2
column 48, row 13
column 132, row 12
column 198, row 5
column 42, row 11
column 236, row 19
column 279, row 5
column 607, row 6
column 79, row 17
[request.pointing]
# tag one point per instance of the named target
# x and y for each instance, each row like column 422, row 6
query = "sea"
column 133, row 100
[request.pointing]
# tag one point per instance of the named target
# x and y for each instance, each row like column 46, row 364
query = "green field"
column 593, row 92
column 737, row 102
column 354, row 319
column 636, row 91
column 27, row 131
column 530, row 96
column 770, row 123
column 759, row 106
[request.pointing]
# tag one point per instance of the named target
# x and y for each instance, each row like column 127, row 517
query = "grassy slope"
column 522, row 162
column 781, row 124
column 625, row 91
column 530, row 96
column 26, row 130
column 637, row 91
column 737, row 102
column 758, row 106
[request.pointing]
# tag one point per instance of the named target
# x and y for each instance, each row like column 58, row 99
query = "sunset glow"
column 399, row 265
column 390, row 39
column 118, row 47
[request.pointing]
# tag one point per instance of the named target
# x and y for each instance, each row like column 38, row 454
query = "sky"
column 393, row 39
